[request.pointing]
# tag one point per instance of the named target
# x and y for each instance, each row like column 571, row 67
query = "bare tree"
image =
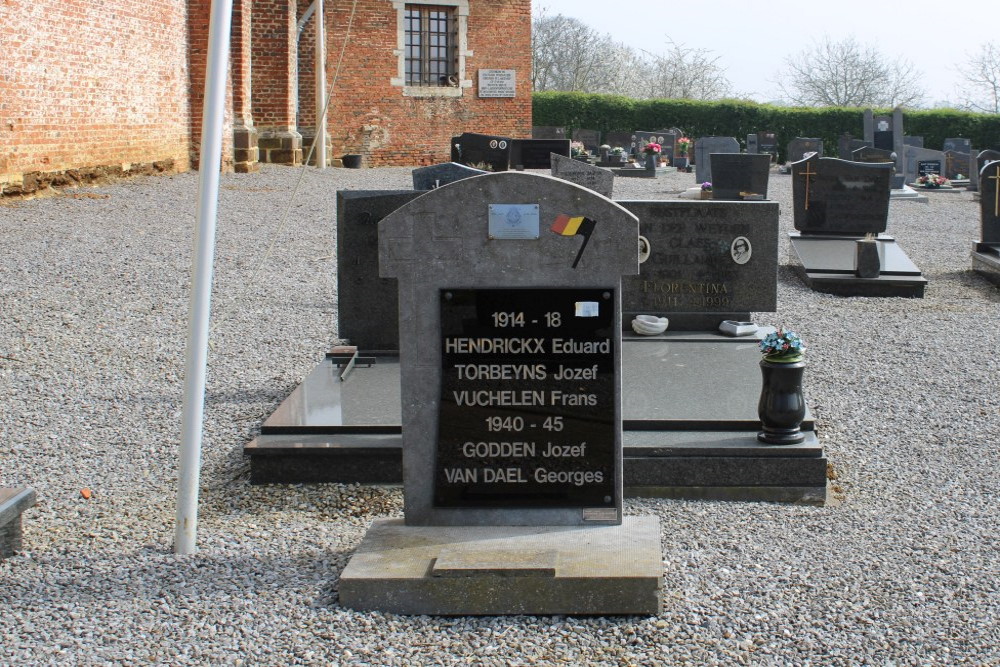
column 848, row 74
column 982, row 78
column 685, row 73
column 570, row 55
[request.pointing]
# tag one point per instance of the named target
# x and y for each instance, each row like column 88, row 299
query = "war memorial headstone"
column 511, row 409
column 703, row 149
column 986, row 253
column 836, row 205
column 481, row 151
column 593, row 178
column 740, row 176
column 436, row 175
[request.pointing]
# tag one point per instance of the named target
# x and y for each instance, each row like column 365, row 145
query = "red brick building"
column 90, row 88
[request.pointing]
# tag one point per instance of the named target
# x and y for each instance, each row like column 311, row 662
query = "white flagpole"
column 320, row 140
column 186, row 529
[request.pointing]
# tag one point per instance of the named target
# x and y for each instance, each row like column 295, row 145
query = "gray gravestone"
column 767, row 142
column 752, row 144
column 868, row 120
column 367, row 305
column 703, row 149
column 957, row 145
column 913, row 141
column 591, row 139
column 534, row 153
column 740, row 176
column 913, row 156
column 844, row 149
column 832, row 196
column 481, row 151
column 708, row 261
column 548, row 132
column 593, row 178
column 799, row 146
column 436, row 175
column 512, row 489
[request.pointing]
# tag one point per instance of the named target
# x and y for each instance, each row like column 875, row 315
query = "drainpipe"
column 319, row 142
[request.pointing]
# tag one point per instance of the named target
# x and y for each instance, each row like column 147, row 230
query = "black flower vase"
column 782, row 406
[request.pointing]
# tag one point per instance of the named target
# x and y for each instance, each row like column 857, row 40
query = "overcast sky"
column 752, row 40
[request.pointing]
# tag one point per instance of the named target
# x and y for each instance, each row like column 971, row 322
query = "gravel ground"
column 94, row 288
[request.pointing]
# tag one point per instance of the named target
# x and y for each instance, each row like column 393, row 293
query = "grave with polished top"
column 986, row 253
column 840, row 213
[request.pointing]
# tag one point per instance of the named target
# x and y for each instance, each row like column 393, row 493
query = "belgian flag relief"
column 578, row 226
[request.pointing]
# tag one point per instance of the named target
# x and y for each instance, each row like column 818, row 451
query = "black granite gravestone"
column 618, row 139
column 799, row 146
column 834, row 196
column 740, row 176
column 436, row 175
column 591, row 139
column 871, row 154
column 367, row 305
column 481, row 151
column 535, row 153
column 986, row 253
column 548, row 132
column 957, row 145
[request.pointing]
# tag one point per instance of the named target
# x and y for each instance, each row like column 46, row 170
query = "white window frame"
column 461, row 49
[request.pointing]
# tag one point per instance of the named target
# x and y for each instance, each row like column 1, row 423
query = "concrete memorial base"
column 827, row 263
column 689, row 425
column 12, row 503
column 986, row 261
column 494, row 570
column 906, row 193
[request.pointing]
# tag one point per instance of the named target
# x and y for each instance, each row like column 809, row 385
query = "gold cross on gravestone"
column 807, row 174
column 996, row 190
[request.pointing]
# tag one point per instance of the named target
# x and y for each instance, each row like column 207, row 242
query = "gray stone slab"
column 913, row 141
column 740, row 176
column 914, row 156
column 827, row 264
column 594, row 570
column 694, row 267
column 368, row 306
column 13, row 502
column 593, row 178
column 703, row 149
column 436, row 175
column 957, row 145
column 832, row 196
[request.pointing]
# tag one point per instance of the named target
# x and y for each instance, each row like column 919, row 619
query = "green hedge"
column 736, row 118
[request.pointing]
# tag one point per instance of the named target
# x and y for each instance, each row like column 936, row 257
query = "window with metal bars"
column 430, row 45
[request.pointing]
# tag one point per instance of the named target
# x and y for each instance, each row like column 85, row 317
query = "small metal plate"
column 513, row 221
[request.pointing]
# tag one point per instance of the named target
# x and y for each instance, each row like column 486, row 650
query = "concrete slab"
column 986, row 262
column 12, row 503
column 493, row 570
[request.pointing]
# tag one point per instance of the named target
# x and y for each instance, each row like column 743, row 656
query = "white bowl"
column 649, row 325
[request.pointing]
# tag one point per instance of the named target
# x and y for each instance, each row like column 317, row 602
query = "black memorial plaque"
column 925, row 167
column 527, row 415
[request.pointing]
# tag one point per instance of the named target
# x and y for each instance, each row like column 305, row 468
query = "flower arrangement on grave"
column 932, row 181
column 683, row 145
column 706, row 186
column 576, row 148
column 652, row 149
column 618, row 150
column 782, row 346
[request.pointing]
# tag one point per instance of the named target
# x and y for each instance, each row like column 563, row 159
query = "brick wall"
column 369, row 115
column 92, row 84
